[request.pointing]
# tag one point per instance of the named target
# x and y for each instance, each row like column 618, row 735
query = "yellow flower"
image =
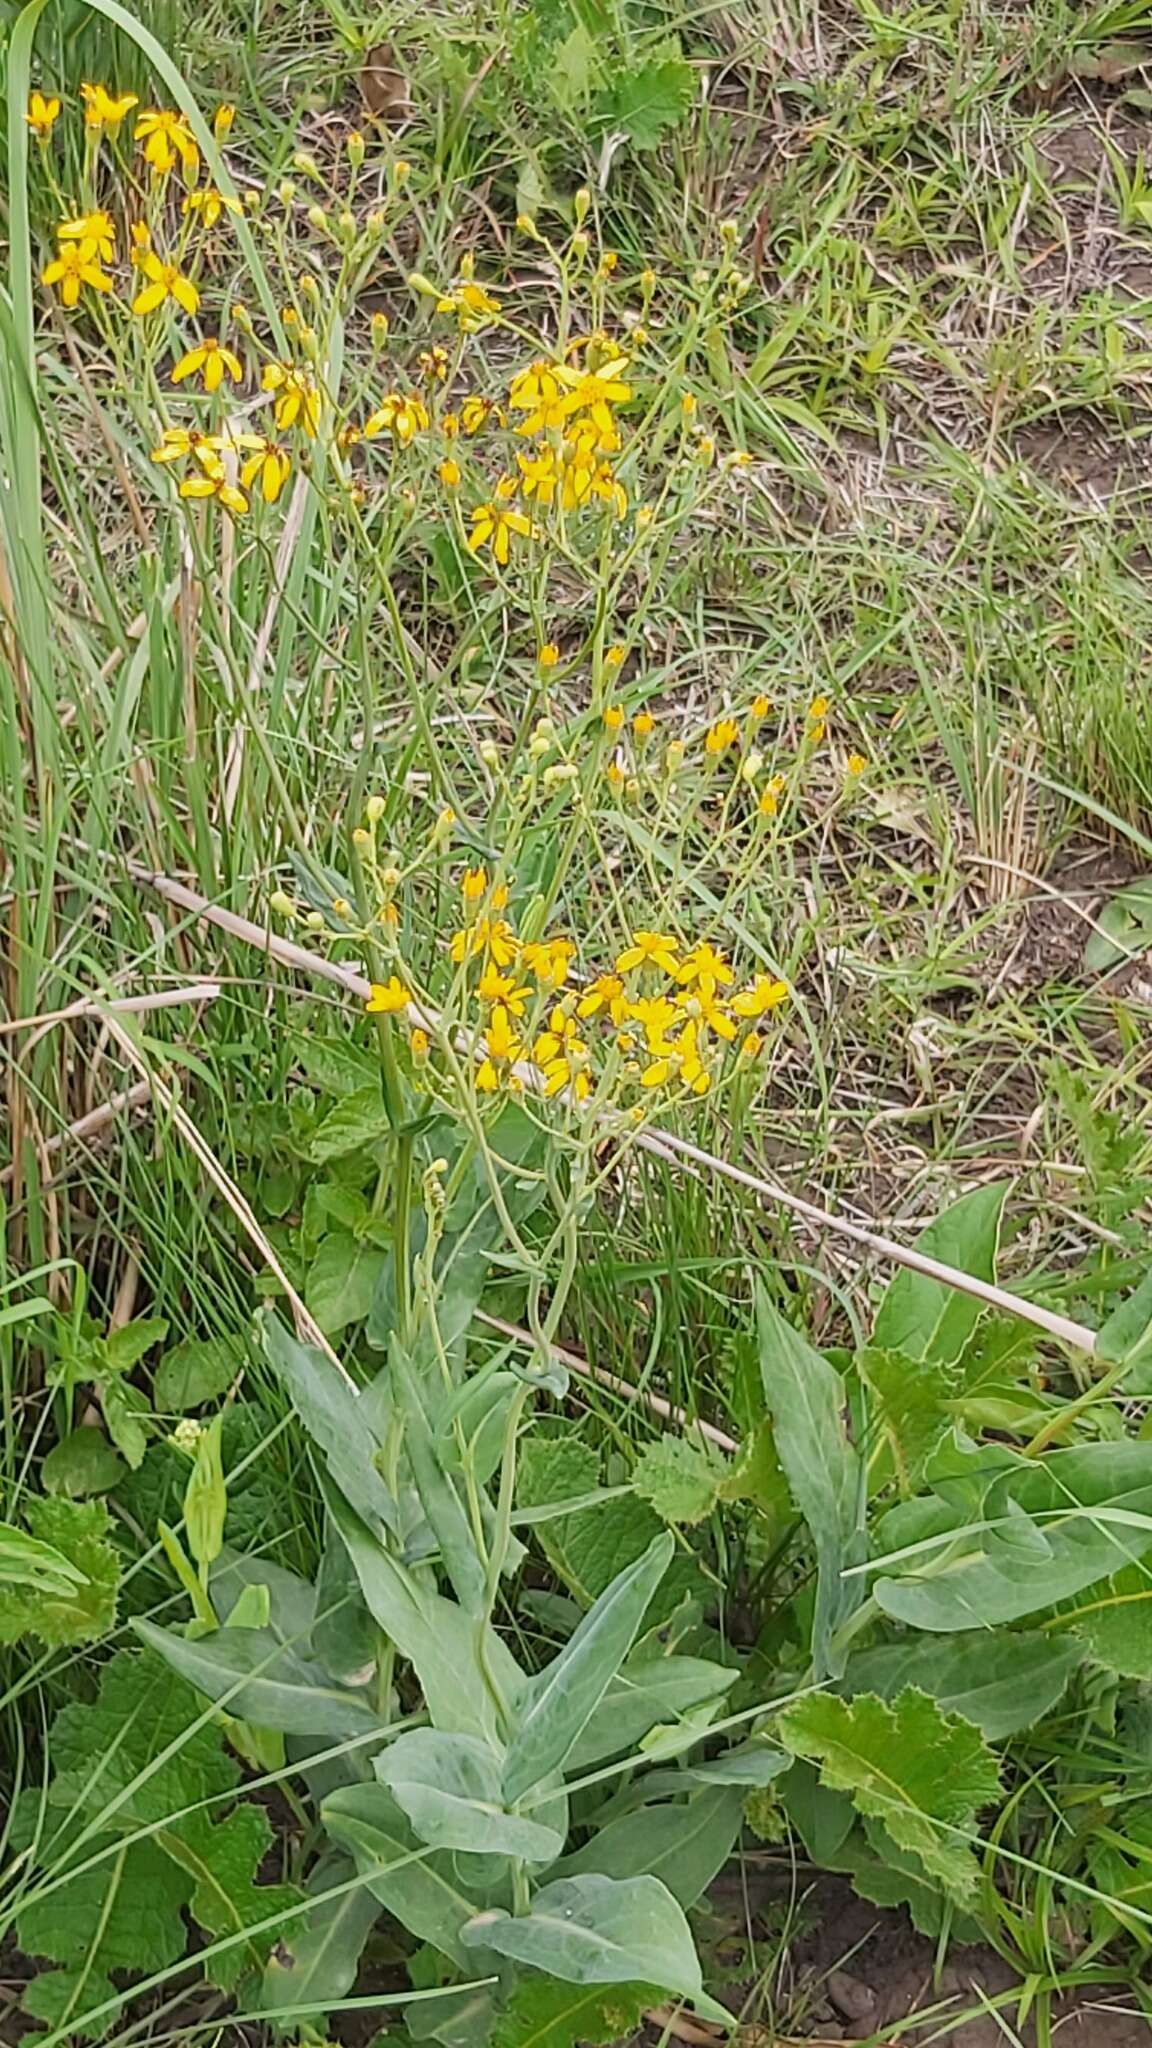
column 679, row 1062
column 706, row 968
column 703, row 1004
column 770, row 797
column 614, row 774
column 721, row 736
column 165, row 282
column 614, row 717
column 41, row 116
column 388, row 998
column 472, row 305
column 432, row 363
column 819, row 707
column 449, row 474
column 491, row 935
column 493, row 525
column 73, row 268
column 178, row 443
column 474, row 412
column 213, row 360
column 760, row 707
column 503, row 1046
column 222, row 121
column 401, row 417
column 765, row 994
column 95, row 233
column 594, row 391
column 494, row 987
column 856, row 764
column 643, row 724
column 655, row 1015
column 616, row 656
column 474, row 884
column 213, row 483
column 271, row 466
column 539, row 474
column 561, row 1054
column 167, row 136
column 449, row 425
column 549, row 960
column 605, row 993
column 297, row 399
column 210, row 204
column 548, row 655
column 538, row 392
column 751, row 1045
column 418, row 1041
column 104, row 109
column 650, row 949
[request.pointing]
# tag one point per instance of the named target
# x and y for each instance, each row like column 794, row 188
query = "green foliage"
column 135, row 1758
column 925, row 1319
column 1001, row 1683
column 924, row 1774
column 67, row 1587
column 586, row 1548
column 546, row 2013
column 82, row 1463
column 678, row 1479
column 193, row 1374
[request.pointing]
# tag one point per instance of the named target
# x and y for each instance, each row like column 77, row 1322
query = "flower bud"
column 490, row 755
column 307, row 166
column 417, row 282
column 281, row 904
column 318, row 219
column 580, row 245
column 361, row 838
column 581, row 201
column 375, row 808
column 286, row 191
column 355, row 145
column 315, row 920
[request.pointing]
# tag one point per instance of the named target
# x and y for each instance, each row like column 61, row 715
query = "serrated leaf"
column 343, row 1279
column 558, row 1703
column 81, row 1464
column 357, row 1122
column 1001, row 1682
column 60, row 1997
column 678, row 1479
column 649, row 98
column 597, row 1930
column 574, row 69
column 125, row 1347
column 332, row 1064
column 685, row 1845
column 805, row 1397
column 124, row 1913
column 912, row 1398
column 76, row 1531
column 587, row 1547
column 26, row 1562
column 222, row 1858
column 258, row 1679
column 316, row 1960
column 924, row 1318
column 194, row 1373
column 110, row 1749
column 923, row 1773
column 545, row 2013
column 1113, row 1622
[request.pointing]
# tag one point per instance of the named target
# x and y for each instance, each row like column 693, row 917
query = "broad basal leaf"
column 75, row 1531
column 358, row 1121
column 557, row 1705
column 805, row 1397
column 222, row 1857
column 547, row 2013
column 196, row 1372
column 597, row 1930
column 911, row 1406
column 1001, row 1682
column 342, row 1281
column 81, row 1464
column 685, row 1845
column 925, row 1318
column 1112, row 1621
column 587, row 1547
column 649, row 98
column 923, row 1773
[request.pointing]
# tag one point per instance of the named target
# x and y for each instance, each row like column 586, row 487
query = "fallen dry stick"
column 659, row 1143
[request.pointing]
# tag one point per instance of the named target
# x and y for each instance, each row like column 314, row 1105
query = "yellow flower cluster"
column 566, row 411
column 662, row 1017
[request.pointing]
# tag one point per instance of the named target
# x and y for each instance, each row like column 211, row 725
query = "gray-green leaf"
column 805, row 1396
column 258, row 1680
column 1001, row 1682
column 598, row 1930
column 335, row 1419
column 561, row 1700
column 449, row 1788
column 925, row 1318
column 414, row 1883
column 683, row 1845
column 317, row 1957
